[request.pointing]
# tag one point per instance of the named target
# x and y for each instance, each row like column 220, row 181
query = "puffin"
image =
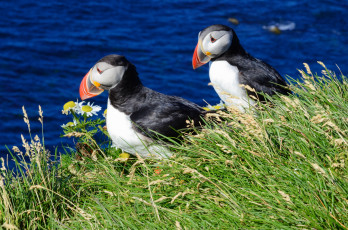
column 137, row 115
column 237, row 77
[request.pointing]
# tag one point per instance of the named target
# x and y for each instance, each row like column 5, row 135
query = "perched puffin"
column 235, row 74
column 135, row 113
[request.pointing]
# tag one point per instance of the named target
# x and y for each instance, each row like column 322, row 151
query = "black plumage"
column 253, row 72
column 151, row 112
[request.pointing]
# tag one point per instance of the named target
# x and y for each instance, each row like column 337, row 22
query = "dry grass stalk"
column 318, row 168
column 6, row 201
column 247, row 87
column 340, row 142
column 80, row 211
column 303, row 74
column 74, row 134
column 161, row 199
column 175, row 197
column 109, row 193
column 159, row 182
column 212, row 115
column 9, row 226
column 224, row 148
column 72, row 207
column 252, row 127
column 225, row 134
column 233, row 110
column 267, row 121
column 299, row 154
column 340, row 164
column 319, row 118
column 285, row 196
column 3, row 168
column 177, row 225
column 307, row 81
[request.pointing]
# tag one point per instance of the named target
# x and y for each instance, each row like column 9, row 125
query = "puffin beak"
column 199, row 57
column 89, row 89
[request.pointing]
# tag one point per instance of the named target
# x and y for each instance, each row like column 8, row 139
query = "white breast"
column 124, row 136
column 225, row 80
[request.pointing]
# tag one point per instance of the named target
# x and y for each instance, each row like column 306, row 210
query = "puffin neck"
column 127, row 87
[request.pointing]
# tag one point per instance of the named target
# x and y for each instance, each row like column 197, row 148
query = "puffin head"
column 213, row 41
column 104, row 75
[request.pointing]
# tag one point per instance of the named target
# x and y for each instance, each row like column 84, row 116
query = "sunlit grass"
column 282, row 165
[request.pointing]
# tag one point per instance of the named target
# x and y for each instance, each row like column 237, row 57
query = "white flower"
column 70, row 124
column 88, row 109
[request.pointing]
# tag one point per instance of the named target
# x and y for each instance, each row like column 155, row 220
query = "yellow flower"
column 69, row 124
column 69, row 105
column 124, row 155
column 88, row 109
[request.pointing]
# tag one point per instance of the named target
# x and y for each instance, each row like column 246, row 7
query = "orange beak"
column 199, row 58
column 195, row 59
column 87, row 88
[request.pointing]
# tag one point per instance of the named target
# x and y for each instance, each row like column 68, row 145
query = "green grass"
column 281, row 166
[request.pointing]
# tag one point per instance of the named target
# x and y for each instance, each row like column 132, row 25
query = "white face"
column 216, row 43
column 106, row 76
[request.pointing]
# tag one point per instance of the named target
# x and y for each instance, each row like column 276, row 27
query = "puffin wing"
column 261, row 77
column 166, row 116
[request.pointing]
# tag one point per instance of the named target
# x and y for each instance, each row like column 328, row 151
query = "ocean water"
column 46, row 47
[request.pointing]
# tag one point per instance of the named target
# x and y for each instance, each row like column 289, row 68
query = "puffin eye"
column 212, row 39
column 99, row 71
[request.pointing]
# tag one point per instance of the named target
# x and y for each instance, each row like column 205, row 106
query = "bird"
column 237, row 77
column 136, row 115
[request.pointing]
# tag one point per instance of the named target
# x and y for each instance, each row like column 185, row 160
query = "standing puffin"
column 235, row 74
column 136, row 114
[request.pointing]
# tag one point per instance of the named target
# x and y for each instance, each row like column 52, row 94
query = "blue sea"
column 46, row 48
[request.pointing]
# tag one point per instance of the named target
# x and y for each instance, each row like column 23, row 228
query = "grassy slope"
column 283, row 167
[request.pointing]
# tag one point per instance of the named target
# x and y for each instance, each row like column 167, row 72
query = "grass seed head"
column 74, row 134
column 310, row 85
column 299, row 154
column 307, row 69
column 247, row 87
column 285, row 196
column 36, row 138
column 224, row 148
column 322, row 64
column 9, row 226
column 16, row 150
column 318, row 168
column 339, row 142
column 267, row 121
column 41, row 115
column 25, row 145
column 3, row 168
column 25, row 118
column 318, row 119
column 303, row 74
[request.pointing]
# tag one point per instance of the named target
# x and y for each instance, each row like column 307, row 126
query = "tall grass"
column 282, row 165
